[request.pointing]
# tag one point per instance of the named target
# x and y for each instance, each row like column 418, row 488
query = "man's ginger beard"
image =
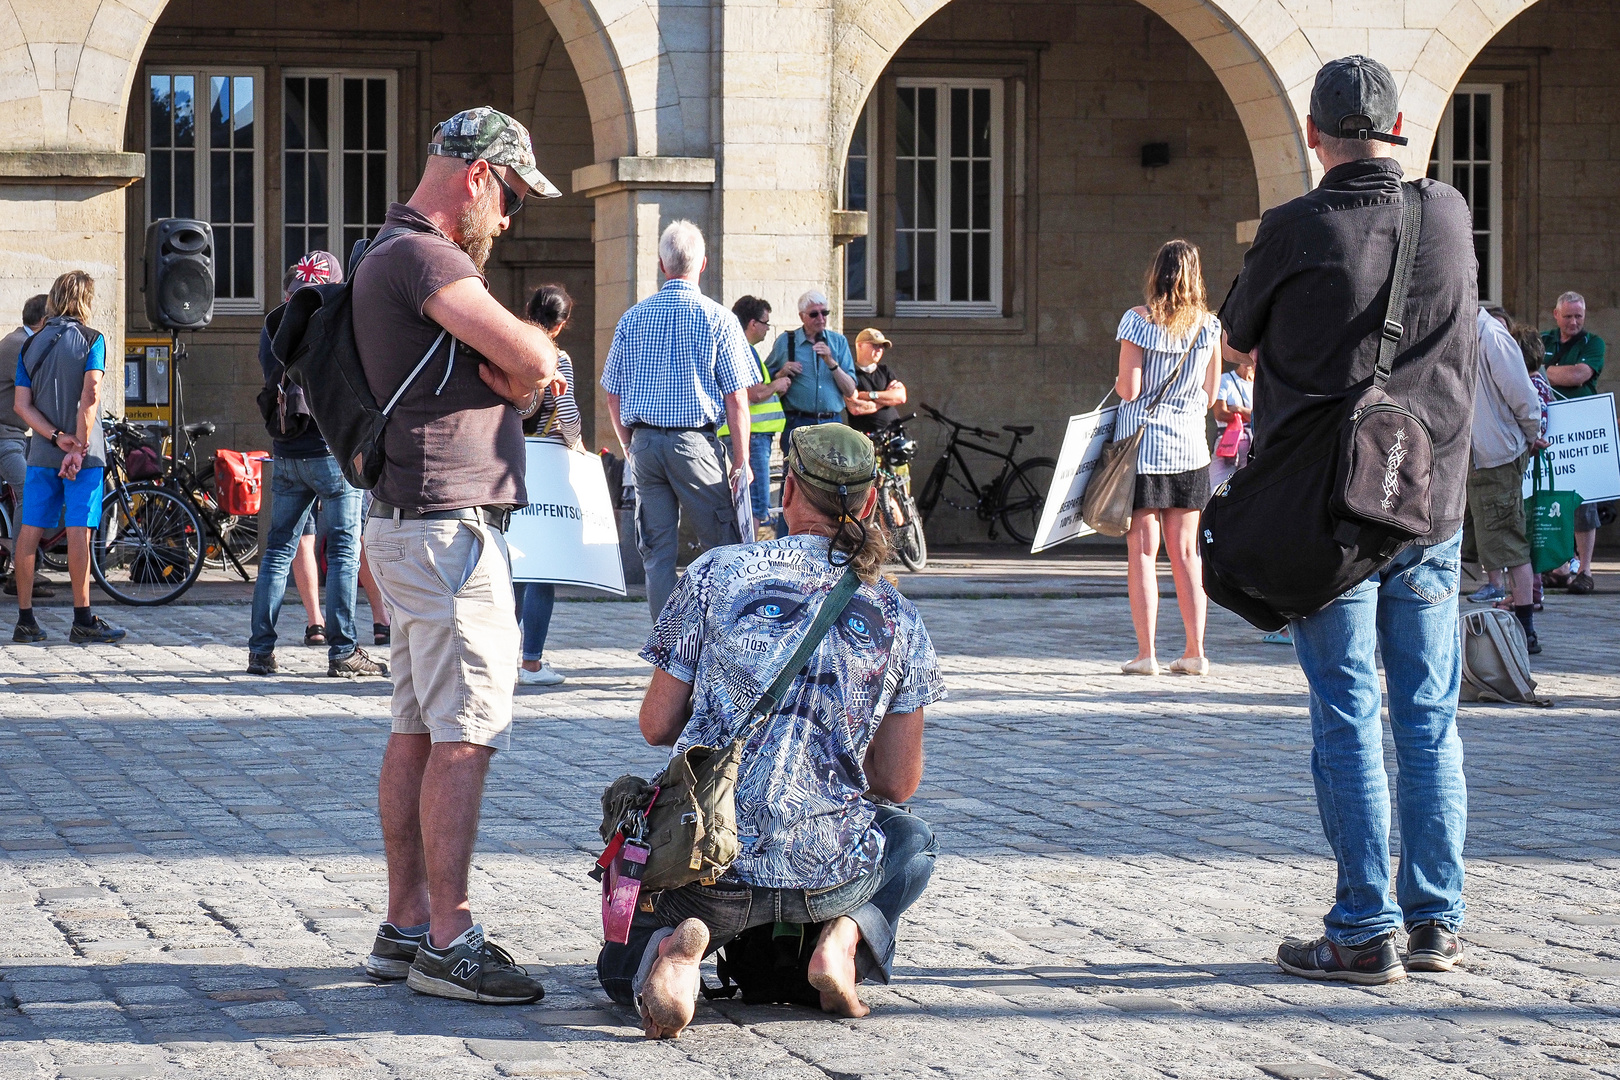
column 470, row 224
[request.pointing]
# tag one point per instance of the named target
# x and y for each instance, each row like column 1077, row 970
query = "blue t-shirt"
column 96, row 361
column 730, row 625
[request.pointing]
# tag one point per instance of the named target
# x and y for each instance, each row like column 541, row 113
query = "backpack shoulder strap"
column 831, row 608
column 39, row 351
column 1389, row 339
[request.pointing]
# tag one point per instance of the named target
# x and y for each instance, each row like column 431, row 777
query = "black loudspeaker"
column 180, row 274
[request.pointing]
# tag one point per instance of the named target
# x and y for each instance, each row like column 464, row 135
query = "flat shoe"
column 1190, row 665
column 1149, row 666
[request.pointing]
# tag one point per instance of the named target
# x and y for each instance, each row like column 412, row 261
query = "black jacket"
column 1313, row 292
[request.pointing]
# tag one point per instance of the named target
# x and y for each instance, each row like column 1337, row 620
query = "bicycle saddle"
column 201, row 429
column 1019, row 429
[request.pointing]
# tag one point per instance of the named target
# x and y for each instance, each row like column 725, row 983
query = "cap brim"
column 538, row 184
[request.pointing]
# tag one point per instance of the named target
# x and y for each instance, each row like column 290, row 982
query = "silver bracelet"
column 532, row 407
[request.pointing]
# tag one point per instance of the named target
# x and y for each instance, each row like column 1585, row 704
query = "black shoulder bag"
column 1325, row 508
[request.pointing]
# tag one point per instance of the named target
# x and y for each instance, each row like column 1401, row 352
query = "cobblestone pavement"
column 190, row 870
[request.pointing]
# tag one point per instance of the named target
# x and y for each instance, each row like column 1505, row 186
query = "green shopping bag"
column 1549, row 518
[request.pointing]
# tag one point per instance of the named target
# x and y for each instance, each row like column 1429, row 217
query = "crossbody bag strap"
column 1389, row 339
column 33, row 372
column 831, row 608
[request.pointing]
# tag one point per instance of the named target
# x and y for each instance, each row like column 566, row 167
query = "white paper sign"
column 1082, row 445
column 568, row 534
column 1585, row 452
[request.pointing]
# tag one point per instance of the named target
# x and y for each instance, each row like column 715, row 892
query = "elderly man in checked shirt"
column 678, row 361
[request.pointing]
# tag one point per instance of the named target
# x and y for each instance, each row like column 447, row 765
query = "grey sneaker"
column 472, row 969
column 1432, row 946
column 99, row 632
column 26, row 634
column 393, row 952
column 356, row 665
column 262, row 663
column 1368, row 964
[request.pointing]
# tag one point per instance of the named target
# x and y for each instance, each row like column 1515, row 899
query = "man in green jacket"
column 1574, row 362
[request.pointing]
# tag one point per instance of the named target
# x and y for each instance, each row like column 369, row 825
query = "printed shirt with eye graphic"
column 730, row 626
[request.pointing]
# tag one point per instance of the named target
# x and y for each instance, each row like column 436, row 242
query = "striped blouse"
column 1175, row 441
column 558, row 418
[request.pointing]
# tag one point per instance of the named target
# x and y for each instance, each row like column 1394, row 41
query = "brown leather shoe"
column 1581, row 584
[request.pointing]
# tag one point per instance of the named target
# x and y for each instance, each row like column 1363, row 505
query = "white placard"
column 1585, row 452
column 1082, row 445
column 568, row 534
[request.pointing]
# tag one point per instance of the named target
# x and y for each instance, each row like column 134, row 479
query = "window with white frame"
column 1467, row 155
column 949, row 161
column 338, row 159
column 858, row 268
column 211, row 168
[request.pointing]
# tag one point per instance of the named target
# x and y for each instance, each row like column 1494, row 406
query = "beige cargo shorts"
column 455, row 637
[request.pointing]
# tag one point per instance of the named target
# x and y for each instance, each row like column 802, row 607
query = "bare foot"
column 669, row 995
column 832, row 968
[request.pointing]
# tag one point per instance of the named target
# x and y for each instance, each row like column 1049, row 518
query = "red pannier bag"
column 239, row 480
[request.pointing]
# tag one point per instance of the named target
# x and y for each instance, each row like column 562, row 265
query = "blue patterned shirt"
column 732, row 623
column 675, row 356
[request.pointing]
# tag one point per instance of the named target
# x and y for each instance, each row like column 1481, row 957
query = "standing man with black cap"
column 1310, row 306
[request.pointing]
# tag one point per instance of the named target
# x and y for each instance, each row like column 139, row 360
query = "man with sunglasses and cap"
column 454, row 472
column 1309, row 307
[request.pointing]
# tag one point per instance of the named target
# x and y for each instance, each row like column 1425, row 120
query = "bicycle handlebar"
column 943, row 419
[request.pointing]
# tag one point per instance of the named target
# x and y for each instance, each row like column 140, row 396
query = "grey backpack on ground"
column 1495, row 660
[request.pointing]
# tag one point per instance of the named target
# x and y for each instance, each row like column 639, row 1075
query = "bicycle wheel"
column 1022, row 495
column 52, row 551
column 148, row 548
column 929, row 498
column 241, row 536
column 909, row 541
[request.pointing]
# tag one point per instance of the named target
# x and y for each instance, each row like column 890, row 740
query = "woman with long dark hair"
column 1169, row 351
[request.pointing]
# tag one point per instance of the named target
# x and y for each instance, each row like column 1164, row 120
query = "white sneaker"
column 544, row 677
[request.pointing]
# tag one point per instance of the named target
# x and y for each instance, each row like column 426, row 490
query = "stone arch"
column 1461, row 30
column 1257, row 50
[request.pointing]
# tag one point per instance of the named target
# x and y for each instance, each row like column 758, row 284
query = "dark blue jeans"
column 875, row 901
column 535, row 603
column 295, row 485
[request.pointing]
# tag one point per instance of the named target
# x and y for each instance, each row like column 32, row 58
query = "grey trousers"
column 678, row 472
column 13, row 458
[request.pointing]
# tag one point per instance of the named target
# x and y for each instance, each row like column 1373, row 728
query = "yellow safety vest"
column 763, row 416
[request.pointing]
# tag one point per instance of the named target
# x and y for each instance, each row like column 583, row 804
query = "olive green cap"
column 833, row 457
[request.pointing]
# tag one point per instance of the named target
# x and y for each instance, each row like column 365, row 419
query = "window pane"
column 1460, row 126
column 376, row 114
column 293, row 194
column 1482, row 253
column 959, row 194
column 959, row 123
column 162, row 111
column 185, row 110
column 292, row 113
column 222, row 262
column 927, row 204
column 244, row 110
column 160, row 182
column 317, row 239
column 1482, row 127
column 855, row 179
column 318, row 121
column 219, row 113
column 351, row 237
column 855, row 269
column 292, row 245
column 1482, row 197
column 185, row 184
column 244, row 261
column 981, row 267
column 1459, row 179
column 376, row 189
column 905, row 280
column 981, row 194
column 857, row 138
column 927, row 98
column 905, row 123
column 319, row 187
column 244, row 186
column 219, row 188
column 354, row 114
column 981, row 122
column 905, row 195
column 959, row 266
column 353, row 187
column 927, row 269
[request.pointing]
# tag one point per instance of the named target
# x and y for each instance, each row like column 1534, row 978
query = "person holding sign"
column 558, row 420
column 1168, row 351
column 1574, row 362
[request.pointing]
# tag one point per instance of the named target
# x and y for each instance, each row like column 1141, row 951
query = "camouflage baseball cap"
column 496, row 138
column 833, row 458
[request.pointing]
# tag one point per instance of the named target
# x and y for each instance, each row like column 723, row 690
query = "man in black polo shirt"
column 1309, row 306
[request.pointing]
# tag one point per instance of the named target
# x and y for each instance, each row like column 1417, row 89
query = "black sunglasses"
column 511, row 201
column 817, row 312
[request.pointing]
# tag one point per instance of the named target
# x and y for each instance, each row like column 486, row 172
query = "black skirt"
column 1173, row 491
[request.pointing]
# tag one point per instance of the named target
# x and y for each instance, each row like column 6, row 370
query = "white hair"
column 681, row 249
column 813, row 298
column 1569, row 298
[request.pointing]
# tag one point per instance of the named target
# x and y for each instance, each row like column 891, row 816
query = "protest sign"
column 1585, row 453
column 1082, row 445
column 568, row 534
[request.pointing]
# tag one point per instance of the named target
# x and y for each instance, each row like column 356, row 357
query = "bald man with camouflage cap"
column 436, row 536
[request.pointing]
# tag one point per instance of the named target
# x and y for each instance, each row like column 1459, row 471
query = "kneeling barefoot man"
column 819, row 842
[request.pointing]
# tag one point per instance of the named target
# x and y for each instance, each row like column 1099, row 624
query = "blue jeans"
column 295, row 485
column 759, row 463
column 1409, row 613
column 535, row 603
column 875, row 901
column 799, row 420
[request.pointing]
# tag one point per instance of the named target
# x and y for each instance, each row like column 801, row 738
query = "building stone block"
column 1335, row 41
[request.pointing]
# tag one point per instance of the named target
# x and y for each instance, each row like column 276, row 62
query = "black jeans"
column 875, row 901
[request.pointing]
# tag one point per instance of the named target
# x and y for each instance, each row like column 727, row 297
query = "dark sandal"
column 315, row 634
column 381, row 633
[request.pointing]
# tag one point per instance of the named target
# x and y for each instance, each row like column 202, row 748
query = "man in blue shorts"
column 59, row 374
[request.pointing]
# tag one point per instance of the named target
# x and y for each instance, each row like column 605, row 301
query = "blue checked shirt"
column 674, row 357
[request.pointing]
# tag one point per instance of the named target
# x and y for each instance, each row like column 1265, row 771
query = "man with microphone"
column 820, row 364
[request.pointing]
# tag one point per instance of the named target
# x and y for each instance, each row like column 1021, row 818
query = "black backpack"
column 768, row 965
column 312, row 336
column 1332, row 503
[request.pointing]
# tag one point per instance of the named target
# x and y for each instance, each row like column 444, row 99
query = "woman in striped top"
column 1169, row 344
column 558, row 420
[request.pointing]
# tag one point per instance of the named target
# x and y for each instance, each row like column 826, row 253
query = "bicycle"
column 1014, row 497
column 234, row 539
column 898, row 509
column 148, row 548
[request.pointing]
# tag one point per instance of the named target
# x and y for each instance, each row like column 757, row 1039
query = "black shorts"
column 1173, row 491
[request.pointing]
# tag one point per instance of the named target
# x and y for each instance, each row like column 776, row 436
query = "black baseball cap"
column 1355, row 98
